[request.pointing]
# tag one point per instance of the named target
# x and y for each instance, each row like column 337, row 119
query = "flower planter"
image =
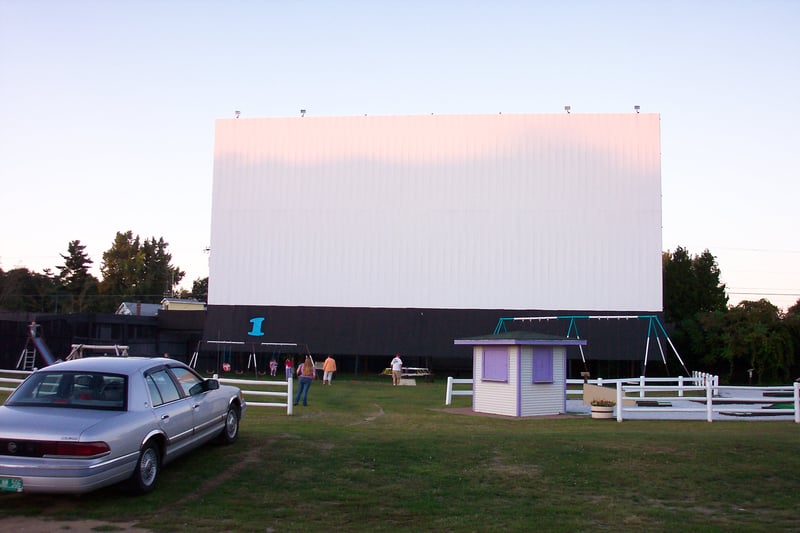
column 602, row 411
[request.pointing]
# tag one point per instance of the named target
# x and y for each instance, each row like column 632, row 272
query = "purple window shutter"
column 495, row 364
column 542, row 365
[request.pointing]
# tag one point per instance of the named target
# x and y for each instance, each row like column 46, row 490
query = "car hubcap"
column 148, row 466
column 231, row 424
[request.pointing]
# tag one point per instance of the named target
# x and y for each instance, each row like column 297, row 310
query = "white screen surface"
column 441, row 211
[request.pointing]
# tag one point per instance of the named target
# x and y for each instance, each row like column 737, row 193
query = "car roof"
column 114, row 364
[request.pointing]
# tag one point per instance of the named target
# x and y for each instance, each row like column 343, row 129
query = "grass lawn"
column 366, row 456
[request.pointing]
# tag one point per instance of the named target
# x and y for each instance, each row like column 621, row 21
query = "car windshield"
column 76, row 390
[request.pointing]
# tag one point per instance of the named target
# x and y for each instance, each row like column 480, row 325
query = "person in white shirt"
column 397, row 369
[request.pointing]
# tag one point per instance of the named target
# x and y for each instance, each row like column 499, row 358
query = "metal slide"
column 39, row 344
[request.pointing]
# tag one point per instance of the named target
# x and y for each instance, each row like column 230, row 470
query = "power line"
column 759, row 250
column 789, row 289
column 760, row 293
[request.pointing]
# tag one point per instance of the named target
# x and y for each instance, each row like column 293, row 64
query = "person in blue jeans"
column 305, row 374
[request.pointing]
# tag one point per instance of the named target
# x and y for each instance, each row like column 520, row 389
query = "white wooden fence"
column 285, row 394
column 12, row 381
column 698, row 378
column 457, row 392
column 704, row 389
column 256, row 388
column 744, row 401
column 681, row 383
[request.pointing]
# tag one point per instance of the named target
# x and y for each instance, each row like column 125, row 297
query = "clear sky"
column 107, row 108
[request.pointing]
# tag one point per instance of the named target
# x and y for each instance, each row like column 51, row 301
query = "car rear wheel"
column 231, row 430
column 148, row 467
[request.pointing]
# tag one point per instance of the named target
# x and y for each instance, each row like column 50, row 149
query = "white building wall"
column 543, row 398
column 553, row 211
column 493, row 397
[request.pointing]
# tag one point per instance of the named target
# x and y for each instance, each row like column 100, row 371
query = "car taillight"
column 73, row 449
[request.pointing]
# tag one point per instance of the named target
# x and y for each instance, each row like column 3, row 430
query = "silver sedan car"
column 79, row 425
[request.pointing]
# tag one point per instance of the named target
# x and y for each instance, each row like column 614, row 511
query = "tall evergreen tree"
column 76, row 283
column 122, row 266
column 159, row 276
column 710, row 294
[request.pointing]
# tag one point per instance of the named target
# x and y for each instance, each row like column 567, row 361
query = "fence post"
column 709, row 407
column 680, row 386
column 797, row 402
column 619, row 401
column 599, row 382
column 289, row 397
column 641, row 384
column 449, row 396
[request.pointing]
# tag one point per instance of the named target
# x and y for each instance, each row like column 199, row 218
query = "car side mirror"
column 203, row 386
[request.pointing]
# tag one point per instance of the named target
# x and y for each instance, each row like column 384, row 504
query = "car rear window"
column 76, row 390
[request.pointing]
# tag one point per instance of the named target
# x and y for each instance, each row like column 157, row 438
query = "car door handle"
column 164, row 417
column 195, row 406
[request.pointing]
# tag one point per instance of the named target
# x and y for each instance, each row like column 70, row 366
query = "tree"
column 200, row 289
column 748, row 336
column 142, row 270
column 692, row 288
column 122, row 266
column 23, row 290
column 691, row 285
column 677, row 285
column 158, row 276
column 710, row 295
column 795, row 309
column 792, row 322
column 75, row 281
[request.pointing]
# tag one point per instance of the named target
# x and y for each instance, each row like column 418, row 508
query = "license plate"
column 10, row 484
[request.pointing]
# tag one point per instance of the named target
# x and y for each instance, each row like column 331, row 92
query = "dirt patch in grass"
column 248, row 459
column 371, row 418
column 26, row 524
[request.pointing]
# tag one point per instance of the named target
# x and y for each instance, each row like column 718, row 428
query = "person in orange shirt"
column 328, row 367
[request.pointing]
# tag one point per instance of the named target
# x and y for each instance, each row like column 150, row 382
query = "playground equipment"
column 34, row 346
column 653, row 329
column 229, row 354
column 77, row 350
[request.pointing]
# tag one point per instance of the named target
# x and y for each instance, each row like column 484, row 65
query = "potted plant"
column 603, row 408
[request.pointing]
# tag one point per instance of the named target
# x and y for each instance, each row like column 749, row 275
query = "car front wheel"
column 148, row 467
column 231, row 429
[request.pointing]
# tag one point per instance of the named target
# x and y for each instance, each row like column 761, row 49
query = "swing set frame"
column 225, row 351
column 654, row 327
